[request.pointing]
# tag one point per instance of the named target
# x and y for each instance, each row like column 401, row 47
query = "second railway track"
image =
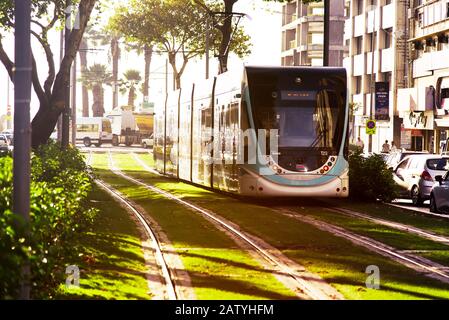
column 287, row 271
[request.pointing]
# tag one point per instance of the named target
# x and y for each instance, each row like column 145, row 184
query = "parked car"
column 148, row 142
column 439, row 196
column 395, row 157
column 416, row 174
column 4, row 144
column 9, row 136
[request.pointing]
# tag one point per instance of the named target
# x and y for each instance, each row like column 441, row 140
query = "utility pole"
column 207, row 47
column 66, row 111
column 8, row 104
column 373, row 80
column 61, row 53
column 326, row 35
column 22, row 127
column 74, row 103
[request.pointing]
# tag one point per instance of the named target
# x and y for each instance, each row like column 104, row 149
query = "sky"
column 262, row 22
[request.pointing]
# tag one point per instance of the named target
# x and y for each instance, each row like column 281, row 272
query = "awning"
column 442, row 123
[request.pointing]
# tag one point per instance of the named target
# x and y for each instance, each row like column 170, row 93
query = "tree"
column 131, row 80
column 51, row 94
column 225, row 26
column 94, row 79
column 176, row 26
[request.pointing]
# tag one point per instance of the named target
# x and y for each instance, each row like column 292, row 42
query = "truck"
column 130, row 127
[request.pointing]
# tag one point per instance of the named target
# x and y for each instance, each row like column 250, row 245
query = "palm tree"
column 131, row 80
column 94, row 78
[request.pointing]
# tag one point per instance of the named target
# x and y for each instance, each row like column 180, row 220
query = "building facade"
column 424, row 105
column 376, row 33
column 302, row 33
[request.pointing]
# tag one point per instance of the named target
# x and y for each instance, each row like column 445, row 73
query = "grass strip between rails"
column 217, row 267
column 431, row 223
column 337, row 260
column 112, row 264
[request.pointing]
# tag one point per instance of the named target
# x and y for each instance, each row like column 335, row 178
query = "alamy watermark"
column 73, row 279
column 373, row 280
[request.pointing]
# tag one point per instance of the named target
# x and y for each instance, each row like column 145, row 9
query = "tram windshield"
column 303, row 119
column 309, row 116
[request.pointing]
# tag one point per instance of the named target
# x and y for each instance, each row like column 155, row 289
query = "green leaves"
column 59, row 209
column 370, row 179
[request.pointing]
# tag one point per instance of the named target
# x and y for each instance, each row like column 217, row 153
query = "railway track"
column 391, row 224
column 419, row 264
column 291, row 274
column 170, row 289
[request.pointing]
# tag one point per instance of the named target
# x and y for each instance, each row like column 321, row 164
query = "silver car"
column 439, row 196
column 416, row 175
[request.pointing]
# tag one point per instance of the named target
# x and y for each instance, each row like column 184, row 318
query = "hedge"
column 60, row 186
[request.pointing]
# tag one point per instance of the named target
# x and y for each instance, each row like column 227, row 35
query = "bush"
column 59, row 210
column 370, row 179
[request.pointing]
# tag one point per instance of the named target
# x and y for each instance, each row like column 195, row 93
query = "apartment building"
column 376, row 34
column 302, row 33
column 424, row 106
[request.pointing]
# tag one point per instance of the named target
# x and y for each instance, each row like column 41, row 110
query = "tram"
column 258, row 132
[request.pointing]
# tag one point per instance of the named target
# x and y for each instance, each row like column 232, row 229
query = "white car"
column 148, row 142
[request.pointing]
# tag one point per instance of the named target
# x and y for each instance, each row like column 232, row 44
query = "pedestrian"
column 386, row 147
column 393, row 147
column 360, row 144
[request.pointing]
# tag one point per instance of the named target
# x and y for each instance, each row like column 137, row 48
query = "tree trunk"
column 46, row 118
column 148, row 57
column 97, row 105
column 226, row 31
column 85, row 91
column 115, row 52
column 131, row 96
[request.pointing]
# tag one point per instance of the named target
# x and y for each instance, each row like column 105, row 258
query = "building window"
column 372, row 40
column 358, row 84
column 358, row 45
column 388, row 38
column 359, row 7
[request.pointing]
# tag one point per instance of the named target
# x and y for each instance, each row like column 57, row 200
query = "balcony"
column 358, row 99
column 359, row 65
column 359, row 25
column 388, row 14
column 369, row 60
column 292, row 44
column 348, row 29
column 373, row 21
column 430, row 61
column 387, row 60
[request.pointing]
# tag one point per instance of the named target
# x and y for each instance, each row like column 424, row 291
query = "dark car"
column 4, row 144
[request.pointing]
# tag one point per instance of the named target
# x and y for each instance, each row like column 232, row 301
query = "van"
column 96, row 130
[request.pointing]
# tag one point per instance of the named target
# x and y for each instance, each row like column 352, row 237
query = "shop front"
column 417, row 131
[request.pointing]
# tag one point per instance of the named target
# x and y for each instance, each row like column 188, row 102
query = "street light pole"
column 22, row 127
column 373, row 79
column 326, row 35
column 66, row 111
column 207, row 47
column 74, row 103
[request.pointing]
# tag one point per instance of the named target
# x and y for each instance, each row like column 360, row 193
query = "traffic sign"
column 370, row 127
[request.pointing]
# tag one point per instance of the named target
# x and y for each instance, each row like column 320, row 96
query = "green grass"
column 111, row 264
column 379, row 210
column 337, row 260
column 217, row 267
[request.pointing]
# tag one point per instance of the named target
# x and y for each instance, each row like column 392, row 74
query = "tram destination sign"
column 382, row 101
